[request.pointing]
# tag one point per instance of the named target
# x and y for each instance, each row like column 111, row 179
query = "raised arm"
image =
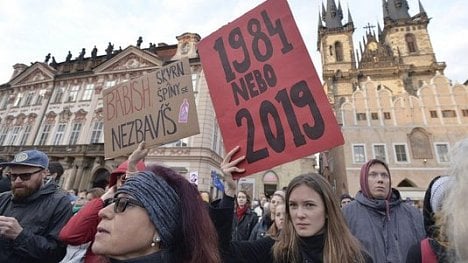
column 222, row 213
column 139, row 154
column 228, row 167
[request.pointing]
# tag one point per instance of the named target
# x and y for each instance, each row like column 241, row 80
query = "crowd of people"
column 153, row 214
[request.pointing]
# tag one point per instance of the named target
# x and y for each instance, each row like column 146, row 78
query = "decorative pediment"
column 65, row 115
column 80, row 115
column 130, row 59
column 37, row 73
column 20, row 119
column 50, row 117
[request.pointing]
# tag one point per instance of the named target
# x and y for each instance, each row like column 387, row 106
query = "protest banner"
column 265, row 90
column 158, row 107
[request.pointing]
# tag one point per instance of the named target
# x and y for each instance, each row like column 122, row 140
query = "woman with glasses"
column 81, row 228
column 156, row 216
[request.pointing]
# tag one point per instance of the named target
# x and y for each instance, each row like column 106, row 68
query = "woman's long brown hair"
column 340, row 244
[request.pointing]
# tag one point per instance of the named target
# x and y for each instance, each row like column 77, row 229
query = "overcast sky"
column 30, row 29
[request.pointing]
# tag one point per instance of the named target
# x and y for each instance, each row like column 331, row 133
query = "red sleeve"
column 81, row 228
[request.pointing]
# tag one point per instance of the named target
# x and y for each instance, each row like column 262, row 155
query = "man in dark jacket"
column 384, row 224
column 31, row 214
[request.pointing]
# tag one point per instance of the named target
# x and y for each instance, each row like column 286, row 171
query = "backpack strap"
column 427, row 254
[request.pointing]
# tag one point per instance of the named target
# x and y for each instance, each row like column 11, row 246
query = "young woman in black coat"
column 314, row 228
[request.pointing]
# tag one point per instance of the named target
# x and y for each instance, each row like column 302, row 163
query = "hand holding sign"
column 276, row 107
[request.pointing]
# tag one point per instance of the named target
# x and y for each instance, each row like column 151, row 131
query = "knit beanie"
column 365, row 174
column 160, row 201
column 439, row 190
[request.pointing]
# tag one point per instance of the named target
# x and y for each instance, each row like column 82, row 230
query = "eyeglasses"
column 23, row 176
column 121, row 203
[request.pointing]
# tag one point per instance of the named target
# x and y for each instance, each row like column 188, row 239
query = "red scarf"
column 240, row 212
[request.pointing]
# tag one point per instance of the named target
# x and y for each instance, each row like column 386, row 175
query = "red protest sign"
column 266, row 93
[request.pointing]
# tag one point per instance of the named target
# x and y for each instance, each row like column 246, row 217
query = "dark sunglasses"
column 23, row 176
column 121, row 203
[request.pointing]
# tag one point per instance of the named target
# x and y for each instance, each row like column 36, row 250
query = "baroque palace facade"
column 390, row 97
column 58, row 108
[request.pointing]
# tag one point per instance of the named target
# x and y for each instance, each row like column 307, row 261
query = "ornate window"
column 411, row 43
column 338, row 51
column 420, row 143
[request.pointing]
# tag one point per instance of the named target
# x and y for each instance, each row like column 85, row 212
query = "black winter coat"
column 42, row 215
column 242, row 228
column 259, row 251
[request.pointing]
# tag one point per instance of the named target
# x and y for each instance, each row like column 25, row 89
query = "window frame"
column 395, row 154
column 59, row 133
column 385, row 151
column 438, row 155
column 354, row 146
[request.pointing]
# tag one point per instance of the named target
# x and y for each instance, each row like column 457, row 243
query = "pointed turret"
column 324, row 12
column 396, row 9
column 320, row 25
column 340, row 10
column 350, row 18
column 333, row 15
column 421, row 8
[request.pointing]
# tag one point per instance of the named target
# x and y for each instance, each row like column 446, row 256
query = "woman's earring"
column 156, row 239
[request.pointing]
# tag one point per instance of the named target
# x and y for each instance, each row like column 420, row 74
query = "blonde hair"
column 340, row 245
column 453, row 221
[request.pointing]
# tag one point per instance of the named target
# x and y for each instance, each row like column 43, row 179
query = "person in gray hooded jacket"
column 384, row 224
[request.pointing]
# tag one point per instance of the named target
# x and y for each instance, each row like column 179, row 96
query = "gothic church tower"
column 335, row 43
column 399, row 57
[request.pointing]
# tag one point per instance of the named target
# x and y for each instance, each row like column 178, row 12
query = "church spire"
column 421, row 8
column 350, row 19
column 396, row 9
column 333, row 15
